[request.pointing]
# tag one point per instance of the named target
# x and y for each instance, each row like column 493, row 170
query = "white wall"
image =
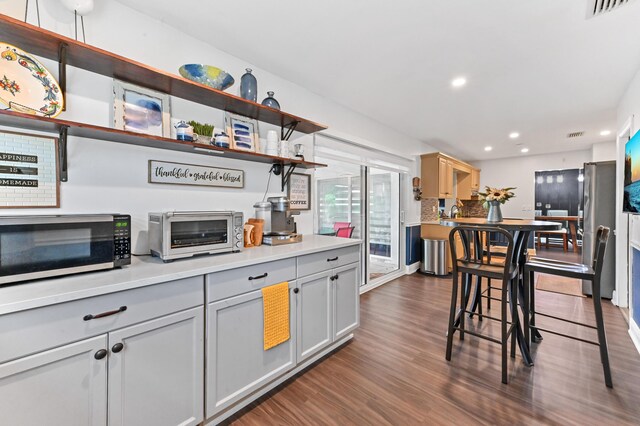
column 605, row 151
column 520, row 172
column 109, row 177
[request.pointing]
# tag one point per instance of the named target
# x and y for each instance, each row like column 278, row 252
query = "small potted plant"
column 204, row 132
column 492, row 198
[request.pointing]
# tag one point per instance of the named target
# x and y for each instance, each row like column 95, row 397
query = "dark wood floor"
column 394, row 371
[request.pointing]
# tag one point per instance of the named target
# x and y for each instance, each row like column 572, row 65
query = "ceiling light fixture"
column 488, row 148
column 605, row 133
column 458, row 82
column 524, row 150
column 514, row 135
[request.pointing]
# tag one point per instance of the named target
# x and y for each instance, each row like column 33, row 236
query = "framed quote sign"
column 28, row 171
column 193, row 174
column 299, row 191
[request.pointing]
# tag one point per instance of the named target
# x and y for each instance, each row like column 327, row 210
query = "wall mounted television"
column 631, row 198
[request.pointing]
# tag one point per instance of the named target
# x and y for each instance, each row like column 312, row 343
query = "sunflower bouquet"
column 501, row 195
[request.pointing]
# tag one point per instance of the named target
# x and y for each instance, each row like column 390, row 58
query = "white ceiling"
column 537, row 67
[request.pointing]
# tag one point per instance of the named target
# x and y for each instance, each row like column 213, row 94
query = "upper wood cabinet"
column 475, row 179
column 439, row 172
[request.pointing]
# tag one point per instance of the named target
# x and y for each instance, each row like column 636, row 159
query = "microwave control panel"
column 121, row 240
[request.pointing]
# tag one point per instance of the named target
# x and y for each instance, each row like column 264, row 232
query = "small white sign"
column 300, row 191
column 192, row 174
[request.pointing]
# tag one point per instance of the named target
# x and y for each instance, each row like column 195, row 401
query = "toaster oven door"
column 49, row 247
column 199, row 234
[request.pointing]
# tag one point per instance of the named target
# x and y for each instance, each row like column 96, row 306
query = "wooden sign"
column 299, row 191
column 192, row 174
column 28, row 171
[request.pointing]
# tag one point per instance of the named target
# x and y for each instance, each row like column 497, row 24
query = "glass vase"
column 270, row 101
column 249, row 86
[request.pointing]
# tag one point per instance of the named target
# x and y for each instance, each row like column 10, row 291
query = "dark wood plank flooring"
column 394, row 370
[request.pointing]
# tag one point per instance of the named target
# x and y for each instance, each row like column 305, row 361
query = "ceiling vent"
column 575, row 134
column 600, row 7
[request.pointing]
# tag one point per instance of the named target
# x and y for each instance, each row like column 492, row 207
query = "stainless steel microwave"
column 34, row 247
column 174, row 235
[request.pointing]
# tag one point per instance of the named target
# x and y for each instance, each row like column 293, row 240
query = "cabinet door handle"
column 117, row 347
column 296, row 290
column 332, row 259
column 333, row 277
column 104, row 314
column 100, row 354
column 257, row 277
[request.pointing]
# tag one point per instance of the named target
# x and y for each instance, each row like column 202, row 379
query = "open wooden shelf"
column 32, row 122
column 48, row 44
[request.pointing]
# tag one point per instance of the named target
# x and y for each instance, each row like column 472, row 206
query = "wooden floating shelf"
column 44, row 124
column 47, row 44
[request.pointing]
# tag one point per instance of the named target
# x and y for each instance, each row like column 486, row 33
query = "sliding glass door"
column 345, row 209
column 384, row 223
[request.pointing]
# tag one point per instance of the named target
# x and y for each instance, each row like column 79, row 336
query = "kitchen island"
column 170, row 343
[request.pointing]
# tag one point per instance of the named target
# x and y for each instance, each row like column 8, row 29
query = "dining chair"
column 472, row 263
column 591, row 273
column 345, row 232
column 561, row 233
column 338, row 225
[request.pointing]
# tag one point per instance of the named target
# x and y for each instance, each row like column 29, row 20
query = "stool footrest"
column 557, row 333
column 567, row 320
column 482, row 336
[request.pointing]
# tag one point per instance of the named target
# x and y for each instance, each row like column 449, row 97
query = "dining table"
column 521, row 230
column 573, row 222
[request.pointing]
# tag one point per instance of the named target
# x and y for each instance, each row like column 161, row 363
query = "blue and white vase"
column 270, row 101
column 249, row 86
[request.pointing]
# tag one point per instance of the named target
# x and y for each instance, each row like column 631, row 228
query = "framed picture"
column 243, row 132
column 299, row 191
column 141, row 110
column 29, row 175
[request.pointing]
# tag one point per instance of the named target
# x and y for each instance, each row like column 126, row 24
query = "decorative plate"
column 25, row 84
column 207, row 75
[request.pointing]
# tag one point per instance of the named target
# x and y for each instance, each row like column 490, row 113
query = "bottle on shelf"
column 270, row 101
column 249, row 86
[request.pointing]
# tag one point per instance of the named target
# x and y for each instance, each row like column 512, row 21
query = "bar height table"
column 521, row 230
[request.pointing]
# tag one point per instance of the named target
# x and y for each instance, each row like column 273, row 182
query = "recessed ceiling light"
column 488, row 148
column 605, row 133
column 514, row 135
column 458, row 82
column 524, row 150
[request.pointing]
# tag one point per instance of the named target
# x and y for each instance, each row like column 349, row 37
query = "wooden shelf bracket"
column 62, row 154
column 62, row 72
column 290, row 128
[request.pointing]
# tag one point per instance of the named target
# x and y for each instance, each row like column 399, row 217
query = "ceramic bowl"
column 207, row 75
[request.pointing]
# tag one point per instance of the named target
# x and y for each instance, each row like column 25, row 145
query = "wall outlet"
column 433, row 209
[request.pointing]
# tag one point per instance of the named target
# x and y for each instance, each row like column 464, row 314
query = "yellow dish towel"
column 276, row 314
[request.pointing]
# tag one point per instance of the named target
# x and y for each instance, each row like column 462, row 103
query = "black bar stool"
column 591, row 273
column 473, row 263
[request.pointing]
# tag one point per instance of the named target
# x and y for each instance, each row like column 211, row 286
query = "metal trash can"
column 434, row 256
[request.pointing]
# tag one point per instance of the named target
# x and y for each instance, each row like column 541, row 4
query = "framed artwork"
column 243, row 132
column 141, row 110
column 29, row 175
column 299, row 191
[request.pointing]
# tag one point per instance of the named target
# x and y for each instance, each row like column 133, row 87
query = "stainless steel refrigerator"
column 600, row 209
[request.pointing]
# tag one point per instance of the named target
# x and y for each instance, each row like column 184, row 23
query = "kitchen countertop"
column 147, row 270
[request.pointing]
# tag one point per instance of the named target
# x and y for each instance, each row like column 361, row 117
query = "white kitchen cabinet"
column 346, row 302
column 314, row 314
column 328, row 308
column 156, row 371
column 237, row 364
column 66, row 385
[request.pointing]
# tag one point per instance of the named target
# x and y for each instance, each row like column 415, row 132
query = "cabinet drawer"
column 234, row 282
column 318, row 262
column 51, row 326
